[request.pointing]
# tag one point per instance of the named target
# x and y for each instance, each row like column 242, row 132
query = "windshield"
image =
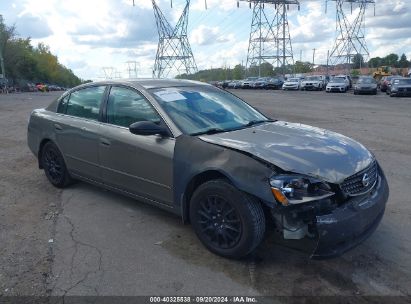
column 404, row 81
column 203, row 109
column 293, row 80
column 366, row 80
column 312, row 78
column 337, row 80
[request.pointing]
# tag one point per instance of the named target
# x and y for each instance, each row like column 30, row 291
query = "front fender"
column 192, row 156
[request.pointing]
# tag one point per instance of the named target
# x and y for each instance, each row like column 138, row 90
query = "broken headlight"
column 298, row 189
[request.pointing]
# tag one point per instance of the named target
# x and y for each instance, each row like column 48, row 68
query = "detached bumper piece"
column 353, row 222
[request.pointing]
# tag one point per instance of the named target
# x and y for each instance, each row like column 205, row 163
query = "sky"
column 88, row 35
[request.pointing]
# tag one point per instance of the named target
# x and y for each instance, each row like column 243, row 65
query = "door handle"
column 105, row 142
column 58, row 127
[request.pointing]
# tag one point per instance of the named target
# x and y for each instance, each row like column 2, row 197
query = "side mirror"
column 147, row 128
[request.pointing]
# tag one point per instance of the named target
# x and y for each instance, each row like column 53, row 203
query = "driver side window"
column 126, row 106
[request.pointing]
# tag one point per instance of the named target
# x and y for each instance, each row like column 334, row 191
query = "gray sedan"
column 215, row 161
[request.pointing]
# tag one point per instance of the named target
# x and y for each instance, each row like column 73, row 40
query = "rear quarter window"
column 62, row 105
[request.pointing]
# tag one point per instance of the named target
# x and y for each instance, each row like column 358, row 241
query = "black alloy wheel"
column 54, row 166
column 227, row 221
column 219, row 222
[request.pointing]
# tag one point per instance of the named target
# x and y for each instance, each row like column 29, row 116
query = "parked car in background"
column 365, row 85
column 274, row 83
column 389, row 83
column 325, row 79
column 337, row 84
column 260, row 83
column 248, row 83
column 218, row 163
column 347, row 80
column 313, row 83
column 400, row 87
column 235, row 84
column 42, row 87
column 385, row 82
column 292, row 84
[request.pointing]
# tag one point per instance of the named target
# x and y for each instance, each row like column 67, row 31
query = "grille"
column 354, row 184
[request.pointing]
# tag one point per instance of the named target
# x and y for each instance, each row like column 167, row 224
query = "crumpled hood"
column 299, row 148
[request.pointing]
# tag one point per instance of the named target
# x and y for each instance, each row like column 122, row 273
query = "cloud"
column 89, row 34
column 33, row 26
column 207, row 35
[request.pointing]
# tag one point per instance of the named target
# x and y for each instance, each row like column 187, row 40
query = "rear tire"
column 52, row 162
column 227, row 221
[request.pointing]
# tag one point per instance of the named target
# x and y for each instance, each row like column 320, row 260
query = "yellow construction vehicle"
column 381, row 72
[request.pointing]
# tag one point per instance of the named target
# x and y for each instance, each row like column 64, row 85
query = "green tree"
column 302, row 67
column 403, row 62
column 391, row 60
column 238, row 72
column 24, row 62
column 375, row 62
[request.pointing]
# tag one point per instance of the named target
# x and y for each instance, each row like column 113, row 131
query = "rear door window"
column 85, row 103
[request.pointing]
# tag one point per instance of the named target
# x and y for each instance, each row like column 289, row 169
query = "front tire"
column 227, row 221
column 52, row 162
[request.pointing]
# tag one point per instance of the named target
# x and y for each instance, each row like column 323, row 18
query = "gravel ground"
column 87, row 241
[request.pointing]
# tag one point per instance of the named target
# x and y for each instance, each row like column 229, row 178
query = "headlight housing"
column 298, row 189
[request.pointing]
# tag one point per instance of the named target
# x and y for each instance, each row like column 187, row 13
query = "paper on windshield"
column 169, row 95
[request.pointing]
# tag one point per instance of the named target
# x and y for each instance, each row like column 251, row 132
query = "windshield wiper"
column 256, row 122
column 209, row 131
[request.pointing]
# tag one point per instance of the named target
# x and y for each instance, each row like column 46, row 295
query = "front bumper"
column 290, row 87
column 351, row 223
column 404, row 93
column 366, row 90
column 310, row 87
column 335, row 89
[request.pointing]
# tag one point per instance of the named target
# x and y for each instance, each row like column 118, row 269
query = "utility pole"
column 3, row 71
column 328, row 56
column 314, row 49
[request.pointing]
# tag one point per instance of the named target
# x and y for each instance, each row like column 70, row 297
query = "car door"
column 77, row 130
column 141, row 165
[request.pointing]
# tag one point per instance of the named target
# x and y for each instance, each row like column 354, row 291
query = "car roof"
column 150, row 83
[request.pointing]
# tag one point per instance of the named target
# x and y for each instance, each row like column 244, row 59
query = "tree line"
column 25, row 63
column 300, row 67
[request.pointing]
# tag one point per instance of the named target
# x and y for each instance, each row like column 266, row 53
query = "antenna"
column 270, row 39
column 350, row 39
column 173, row 51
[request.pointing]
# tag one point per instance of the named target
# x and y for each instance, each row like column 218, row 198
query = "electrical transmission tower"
column 270, row 39
column 109, row 72
column 132, row 69
column 350, row 39
column 174, row 51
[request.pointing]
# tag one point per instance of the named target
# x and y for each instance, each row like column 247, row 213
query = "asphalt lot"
column 88, row 241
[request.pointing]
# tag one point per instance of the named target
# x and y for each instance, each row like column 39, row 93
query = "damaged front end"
column 336, row 223
column 333, row 217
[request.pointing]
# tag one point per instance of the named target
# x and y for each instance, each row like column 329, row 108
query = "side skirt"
column 143, row 199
